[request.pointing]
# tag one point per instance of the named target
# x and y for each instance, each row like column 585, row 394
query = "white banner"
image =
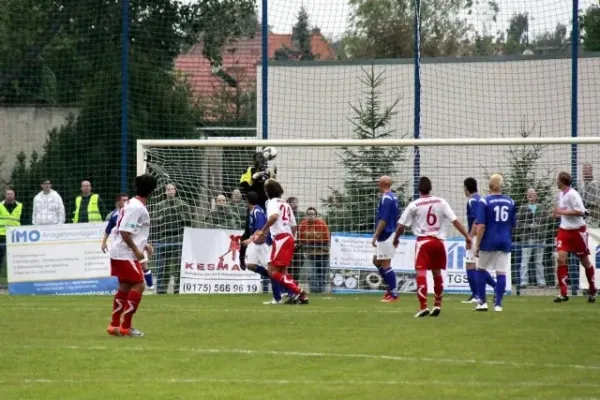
column 58, row 259
column 210, row 263
column 594, row 246
column 352, row 270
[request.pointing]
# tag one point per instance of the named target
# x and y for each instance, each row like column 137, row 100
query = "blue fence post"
column 124, row 92
column 265, row 69
column 417, row 108
column 573, row 263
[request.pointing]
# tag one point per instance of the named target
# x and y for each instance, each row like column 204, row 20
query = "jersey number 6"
column 431, row 217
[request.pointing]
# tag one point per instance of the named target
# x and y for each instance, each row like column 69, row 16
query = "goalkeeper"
column 253, row 180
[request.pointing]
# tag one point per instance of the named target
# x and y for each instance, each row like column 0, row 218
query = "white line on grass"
column 329, row 355
column 197, row 380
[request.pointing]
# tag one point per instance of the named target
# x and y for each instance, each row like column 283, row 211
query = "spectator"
column 11, row 214
column 531, row 223
column 298, row 258
column 239, row 206
column 222, row 216
column 172, row 215
column 88, row 206
column 48, row 206
column 313, row 235
column 590, row 193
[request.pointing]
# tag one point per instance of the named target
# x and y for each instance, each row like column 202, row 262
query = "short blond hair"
column 496, row 182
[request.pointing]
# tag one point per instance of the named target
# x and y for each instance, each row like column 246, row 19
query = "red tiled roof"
column 239, row 61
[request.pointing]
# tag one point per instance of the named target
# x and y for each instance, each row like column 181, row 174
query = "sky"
column 332, row 15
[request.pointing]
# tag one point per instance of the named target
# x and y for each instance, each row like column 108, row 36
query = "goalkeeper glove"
column 148, row 277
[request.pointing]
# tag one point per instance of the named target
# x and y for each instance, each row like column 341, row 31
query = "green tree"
column 517, row 34
column 160, row 102
column 552, row 42
column 353, row 209
column 590, row 27
column 302, row 36
column 385, row 28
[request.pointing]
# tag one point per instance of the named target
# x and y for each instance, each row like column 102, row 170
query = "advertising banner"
column 210, row 263
column 352, row 270
column 58, row 259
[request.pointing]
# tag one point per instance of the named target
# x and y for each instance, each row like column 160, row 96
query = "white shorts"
column 258, row 254
column 469, row 256
column 385, row 250
column 493, row 260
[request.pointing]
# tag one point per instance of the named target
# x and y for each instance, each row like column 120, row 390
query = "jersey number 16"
column 501, row 213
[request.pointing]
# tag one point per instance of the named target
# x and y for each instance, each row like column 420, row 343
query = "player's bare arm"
column 463, row 231
column 575, row 213
column 399, row 231
column 380, row 228
column 104, row 245
column 262, row 234
column 148, row 247
column 128, row 239
column 480, row 232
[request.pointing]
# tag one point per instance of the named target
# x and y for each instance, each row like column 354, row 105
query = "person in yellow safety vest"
column 88, row 206
column 11, row 214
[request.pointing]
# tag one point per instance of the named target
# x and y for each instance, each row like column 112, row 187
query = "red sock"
column 563, row 276
column 133, row 302
column 589, row 274
column 286, row 282
column 438, row 289
column 422, row 289
column 119, row 303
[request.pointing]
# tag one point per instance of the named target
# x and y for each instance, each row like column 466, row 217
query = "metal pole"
column 417, row 108
column 124, row 92
column 573, row 263
column 265, row 70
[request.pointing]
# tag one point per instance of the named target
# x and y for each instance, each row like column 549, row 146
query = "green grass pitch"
column 344, row 347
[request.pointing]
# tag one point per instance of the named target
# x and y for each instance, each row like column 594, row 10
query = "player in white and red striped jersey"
column 127, row 256
column 572, row 237
column 282, row 225
column 429, row 217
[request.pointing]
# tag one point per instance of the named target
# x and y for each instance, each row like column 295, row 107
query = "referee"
column 253, row 180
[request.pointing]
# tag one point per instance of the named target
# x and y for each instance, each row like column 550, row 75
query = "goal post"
column 338, row 178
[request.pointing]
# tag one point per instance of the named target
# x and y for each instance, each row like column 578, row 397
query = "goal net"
column 335, row 184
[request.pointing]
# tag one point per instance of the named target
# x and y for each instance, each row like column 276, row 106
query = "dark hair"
column 118, row 196
column 273, row 189
column 7, row 188
column 46, row 180
column 252, row 198
column 145, row 185
column 565, row 178
column 471, row 185
column 292, row 199
column 424, row 185
column 310, row 209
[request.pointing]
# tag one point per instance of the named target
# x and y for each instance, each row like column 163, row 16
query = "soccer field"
column 344, row 347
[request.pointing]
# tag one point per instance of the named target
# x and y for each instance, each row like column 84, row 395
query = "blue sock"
column 471, row 277
column 262, row 271
column 276, row 288
column 390, row 279
column 500, row 288
column 481, row 275
column 489, row 280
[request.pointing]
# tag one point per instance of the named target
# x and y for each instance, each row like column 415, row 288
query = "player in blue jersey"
column 110, row 231
column 496, row 220
column 385, row 225
column 470, row 186
column 258, row 252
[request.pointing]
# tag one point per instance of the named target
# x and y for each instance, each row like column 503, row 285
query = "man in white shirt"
column 572, row 237
column 48, row 207
column 127, row 257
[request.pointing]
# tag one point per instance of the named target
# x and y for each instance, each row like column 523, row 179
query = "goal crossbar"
column 141, row 144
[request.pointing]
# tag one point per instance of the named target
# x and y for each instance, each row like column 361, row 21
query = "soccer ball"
column 270, row 153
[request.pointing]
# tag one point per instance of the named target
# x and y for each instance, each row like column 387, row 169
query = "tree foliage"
column 590, row 26
column 301, row 46
column 353, row 209
column 159, row 101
